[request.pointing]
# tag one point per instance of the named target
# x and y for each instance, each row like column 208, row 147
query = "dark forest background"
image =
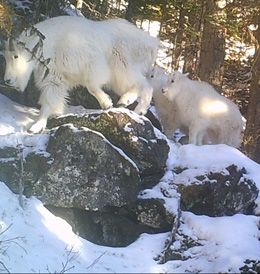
column 215, row 41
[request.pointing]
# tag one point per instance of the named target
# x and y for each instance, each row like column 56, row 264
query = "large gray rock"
column 93, row 183
column 251, row 266
column 118, row 226
column 87, row 172
column 134, row 134
column 218, row 193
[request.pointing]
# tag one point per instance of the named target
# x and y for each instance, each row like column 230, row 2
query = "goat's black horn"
column 3, row 43
column 11, row 44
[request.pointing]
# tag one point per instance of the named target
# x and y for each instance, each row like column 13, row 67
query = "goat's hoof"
column 35, row 132
column 34, row 129
column 121, row 105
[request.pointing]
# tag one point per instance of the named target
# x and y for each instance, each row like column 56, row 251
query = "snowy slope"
column 33, row 240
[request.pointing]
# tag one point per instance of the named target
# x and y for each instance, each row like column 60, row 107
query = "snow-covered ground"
column 33, row 240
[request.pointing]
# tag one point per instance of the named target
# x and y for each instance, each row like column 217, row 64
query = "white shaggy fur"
column 112, row 53
column 203, row 111
column 165, row 109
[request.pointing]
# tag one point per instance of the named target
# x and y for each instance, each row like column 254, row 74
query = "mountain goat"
column 165, row 109
column 204, row 111
column 76, row 51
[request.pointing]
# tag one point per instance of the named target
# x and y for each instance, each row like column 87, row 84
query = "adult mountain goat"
column 204, row 111
column 76, row 51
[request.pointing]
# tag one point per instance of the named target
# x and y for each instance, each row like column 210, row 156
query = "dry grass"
column 6, row 23
column 250, row 144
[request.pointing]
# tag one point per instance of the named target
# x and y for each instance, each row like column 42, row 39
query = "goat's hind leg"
column 145, row 100
column 143, row 90
column 128, row 98
column 131, row 96
column 103, row 99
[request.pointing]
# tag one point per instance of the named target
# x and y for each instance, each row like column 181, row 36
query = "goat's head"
column 19, row 64
column 172, row 87
column 157, row 78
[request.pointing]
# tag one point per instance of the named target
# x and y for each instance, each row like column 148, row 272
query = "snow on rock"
column 134, row 134
column 192, row 162
column 91, row 171
column 34, row 240
column 213, row 244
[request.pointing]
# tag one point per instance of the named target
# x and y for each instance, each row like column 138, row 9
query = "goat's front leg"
column 195, row 133
column 52, row 101
column 41, row 122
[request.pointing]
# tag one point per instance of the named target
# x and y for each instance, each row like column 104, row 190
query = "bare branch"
column 96, row 261
column 5, row 268
column 70, row 257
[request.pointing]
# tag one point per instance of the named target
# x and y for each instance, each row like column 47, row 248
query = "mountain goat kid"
column 110, row 54
column 202, row 110
column 165, row 109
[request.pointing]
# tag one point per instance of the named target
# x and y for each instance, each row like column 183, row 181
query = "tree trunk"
column 191, row 43
column 212, row 54
column 130, row 11
column 251, row 145
column 178, row 40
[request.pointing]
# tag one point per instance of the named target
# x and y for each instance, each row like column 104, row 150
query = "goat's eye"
column 172, row 81
column 16, row 56
column 152, row 76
